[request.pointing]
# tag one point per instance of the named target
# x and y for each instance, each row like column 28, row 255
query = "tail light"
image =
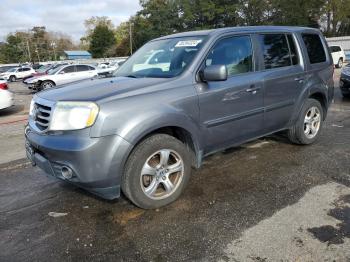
column 4, row 86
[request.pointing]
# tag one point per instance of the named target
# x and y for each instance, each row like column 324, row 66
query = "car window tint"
column 91, row 68
column 275, row 50
column 69, row 69
column 314, row 47
column 234, row 52
column 335, row 49
column 293, row 50
column 81, row 68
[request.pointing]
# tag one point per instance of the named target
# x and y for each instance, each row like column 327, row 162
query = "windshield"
column 162, row 58
column 12, row 70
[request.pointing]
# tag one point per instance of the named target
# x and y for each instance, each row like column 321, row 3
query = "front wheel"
column 157, row 171
column 46, row 85
column 12, row 79
column 308, row 126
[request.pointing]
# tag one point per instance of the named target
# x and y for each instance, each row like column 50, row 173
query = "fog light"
column 67, row 173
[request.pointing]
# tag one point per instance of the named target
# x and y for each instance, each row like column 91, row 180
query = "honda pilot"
column 178, row 99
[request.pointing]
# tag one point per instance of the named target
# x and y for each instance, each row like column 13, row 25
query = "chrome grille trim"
column 40, row 120
column 42, row 116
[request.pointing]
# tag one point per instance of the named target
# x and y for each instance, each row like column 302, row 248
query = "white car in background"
column 110, row 68
column 6, row 97
column 62, row 75
column 17, row 73
column 338, row 55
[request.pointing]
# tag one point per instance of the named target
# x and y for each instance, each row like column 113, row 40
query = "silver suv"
column 178, row 99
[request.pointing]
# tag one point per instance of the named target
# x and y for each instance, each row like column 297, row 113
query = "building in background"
column 78, row 54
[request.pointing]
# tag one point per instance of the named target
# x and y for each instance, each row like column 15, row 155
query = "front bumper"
column 97, row 163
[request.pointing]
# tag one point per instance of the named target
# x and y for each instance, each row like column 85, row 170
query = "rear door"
column 231, row 111
column 284, row 77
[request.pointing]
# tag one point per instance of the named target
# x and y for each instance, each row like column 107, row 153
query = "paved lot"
column 264, row 201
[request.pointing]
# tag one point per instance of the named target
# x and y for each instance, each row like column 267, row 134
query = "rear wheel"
column 157, row 171
column 308, row 126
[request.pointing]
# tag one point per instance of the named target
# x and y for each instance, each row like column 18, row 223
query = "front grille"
column 42, row 116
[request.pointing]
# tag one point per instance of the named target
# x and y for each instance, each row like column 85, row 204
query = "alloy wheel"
column 161, row 174
column 312, row 122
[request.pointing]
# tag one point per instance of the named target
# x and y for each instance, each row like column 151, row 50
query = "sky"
column 66, row 16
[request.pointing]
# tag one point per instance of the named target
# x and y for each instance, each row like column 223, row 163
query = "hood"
column 98, row 89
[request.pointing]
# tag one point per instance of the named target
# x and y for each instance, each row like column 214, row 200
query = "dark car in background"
column 143, row 130
column 344, row 83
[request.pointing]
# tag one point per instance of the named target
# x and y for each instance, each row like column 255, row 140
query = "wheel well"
column 181, row 134
column 322, row 99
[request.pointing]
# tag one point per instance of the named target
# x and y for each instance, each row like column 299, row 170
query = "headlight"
column 73, row 115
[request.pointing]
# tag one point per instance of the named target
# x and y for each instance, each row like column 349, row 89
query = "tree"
column 102, row 39
column 336, row 17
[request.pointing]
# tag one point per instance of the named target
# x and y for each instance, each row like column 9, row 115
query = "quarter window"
column 234, row 52
column 314, row 48
column 275, row 50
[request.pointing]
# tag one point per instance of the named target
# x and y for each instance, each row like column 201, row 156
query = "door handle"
column 253, row 89
column 299, row 79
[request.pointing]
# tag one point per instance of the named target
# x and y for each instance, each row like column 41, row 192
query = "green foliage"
column 102, row 39
column 34, row 45
column 162, row 17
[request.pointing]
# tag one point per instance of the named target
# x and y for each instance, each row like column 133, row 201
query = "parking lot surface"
column 267, row 200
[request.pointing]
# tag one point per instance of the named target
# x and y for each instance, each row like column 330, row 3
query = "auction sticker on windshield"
column 188, row 43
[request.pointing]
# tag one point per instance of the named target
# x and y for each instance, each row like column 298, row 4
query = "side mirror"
column 62, row 73
column 214, row 73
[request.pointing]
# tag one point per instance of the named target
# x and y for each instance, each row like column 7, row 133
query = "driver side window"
column 68, row 69
column 234, row 52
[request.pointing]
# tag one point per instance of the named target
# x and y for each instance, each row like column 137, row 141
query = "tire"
column 138, row 187
column 12, row 79
column 298, row 133
column 46, row 85
column 340, row 63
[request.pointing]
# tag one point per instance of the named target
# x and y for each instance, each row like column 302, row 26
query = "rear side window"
column 314, row 48
column 275, row 50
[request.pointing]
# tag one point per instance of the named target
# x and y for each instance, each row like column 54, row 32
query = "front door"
column 67, row 75
column 232, row 111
